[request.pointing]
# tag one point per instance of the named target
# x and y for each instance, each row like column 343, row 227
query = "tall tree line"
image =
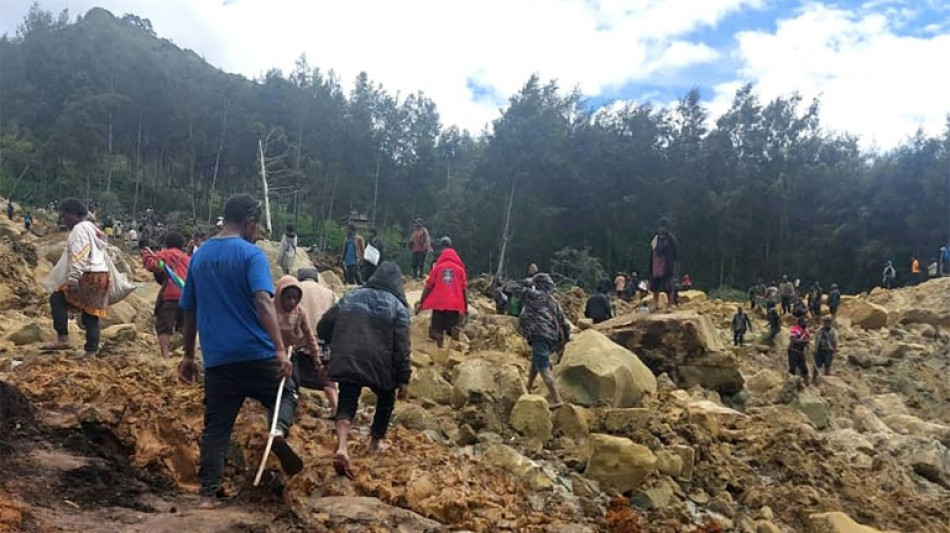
column 102, row 107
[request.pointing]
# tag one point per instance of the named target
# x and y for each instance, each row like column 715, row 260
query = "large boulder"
column 814, row 407
column 596, row 371
column 531, row 417
column 428, row 383
column 332, row 282
column 301, row 260
column 618, row 463
column 693, row 296
column 479, row 382
column 712, row 416
column 924, row 456
column 351, row 513
column 28, row 333
column 925, row 316
column 120, row 313
column 837, row 522
column 863, row 313
column 911, row 425
column 684, row 344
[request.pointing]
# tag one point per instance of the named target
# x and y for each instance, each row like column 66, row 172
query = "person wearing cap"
column 543, row 325
column 444, row 294
column 353, row 248
column 663, row 255
column 826, row 345
column 317, row 299
column 421, row 245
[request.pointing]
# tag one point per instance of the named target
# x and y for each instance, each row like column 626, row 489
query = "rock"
column 301, row 259
column 120, row 313
column 690, row 297
column 332, row 281
column 626, row 420
column 351, row 513
column 28, row 333
column 595, row 371
column 765, row 526
column 897, row 350
column 911, row 425
column 428, row 383
column 924, row 456
column 712, row 416
column 814, row 407
column 684, row 344
column 864, row 313
column 688, row 455
column 669, row 463
column 837, row 523
column 478, row 381
column 764, row 381
column 466, row 435
column 866, row 360
column 420, row 360
column 415, row 417
column 618, row 463
column 583, row 487
column 888, row 404
column 531, row 417
column 659, row 494
column 508, row 459
column 572, row 421
column 924, row 316
column 119, row 333
column 867, row 422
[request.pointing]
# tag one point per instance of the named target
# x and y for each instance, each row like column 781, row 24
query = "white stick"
column 273, row 427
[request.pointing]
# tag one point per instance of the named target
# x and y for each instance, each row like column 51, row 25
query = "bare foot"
column 377, row 446
column 341, row 463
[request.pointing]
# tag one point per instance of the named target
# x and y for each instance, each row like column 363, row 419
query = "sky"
column 879, row 67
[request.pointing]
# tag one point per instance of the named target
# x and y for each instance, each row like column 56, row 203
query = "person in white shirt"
column 85, row 285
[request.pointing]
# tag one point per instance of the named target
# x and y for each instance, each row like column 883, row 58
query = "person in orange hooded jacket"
column 445, row 295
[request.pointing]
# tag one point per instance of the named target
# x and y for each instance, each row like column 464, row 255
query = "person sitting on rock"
column 775, row 323
column 826, row 344
column 368, row 335
column 85, row 286
column 740, row 324
column 598, row 307
column 543, row 324
column 167, row 317
column 834, row 300
column 799, row 338
column 445, row 294
column 228, row 300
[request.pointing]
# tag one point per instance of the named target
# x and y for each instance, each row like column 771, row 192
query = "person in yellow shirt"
column 915, row 270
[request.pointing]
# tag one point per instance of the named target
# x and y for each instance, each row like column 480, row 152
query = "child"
column 296, row 331
column 798, row 344
column 740, row 324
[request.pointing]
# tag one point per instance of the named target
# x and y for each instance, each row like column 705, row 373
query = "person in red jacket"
column 167, row 317
column 445, row 295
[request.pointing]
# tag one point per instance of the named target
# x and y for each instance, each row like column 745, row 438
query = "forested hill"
column 101, row 107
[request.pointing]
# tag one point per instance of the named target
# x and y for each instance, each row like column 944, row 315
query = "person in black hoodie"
column 368, row 335
column 598, row 306
column 663, row 254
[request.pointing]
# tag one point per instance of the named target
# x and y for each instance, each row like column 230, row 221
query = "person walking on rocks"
column 315, row 302
column 663, row 255
column 445, row 294
column 814, row 300
column 799, row 338
column 10, row 209
column 598, row 307
column 353, row 247
column 287, row 252
column 740, row 325
column 28, row 220
column 834, row 300
column 369, row 266
column 368, row 334
column 786, row 292
column 915, row 270
column 421, row 245
column 168, row 318
column 889, row 276
column 775, row 323
column 826, row 345
column 543, row 324
column 798, row 308
column 85, row 286
column 228, row 301
column 620, row 283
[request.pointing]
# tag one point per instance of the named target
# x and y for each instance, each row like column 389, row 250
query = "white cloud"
column 434, row 45
column 871, row 81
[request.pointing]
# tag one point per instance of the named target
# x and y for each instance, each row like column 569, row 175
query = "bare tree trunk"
column 506, row 232
column 260, row 147
column 217, row 162
column 379, row 154
column 138, row 173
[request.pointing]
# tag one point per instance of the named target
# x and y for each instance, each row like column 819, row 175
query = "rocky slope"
column 687, row 435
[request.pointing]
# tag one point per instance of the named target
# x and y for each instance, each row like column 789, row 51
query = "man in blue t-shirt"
column 228, row 301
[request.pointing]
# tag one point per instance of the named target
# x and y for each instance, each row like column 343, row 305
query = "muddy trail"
column 668, row 427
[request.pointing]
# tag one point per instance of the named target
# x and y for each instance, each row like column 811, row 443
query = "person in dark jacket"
column 369, row 267
column 775, row 323
column 814, row 300
column 499, row 296
column 834, row 300
column 543, row 324
column 662, row 264
column 740, row 325
column 368, row 335
column 598, row 306
column 798, row 308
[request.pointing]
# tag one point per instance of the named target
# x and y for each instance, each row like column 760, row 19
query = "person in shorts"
column 168, row 319
column 544, row 326
column 445, row 295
